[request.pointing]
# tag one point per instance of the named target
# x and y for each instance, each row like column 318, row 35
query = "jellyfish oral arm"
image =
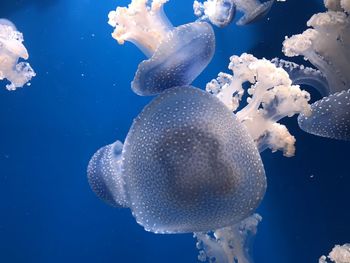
column 326, row 44
column 229, row 244
column 271, row 98
column 141, row 23
column 11, row 50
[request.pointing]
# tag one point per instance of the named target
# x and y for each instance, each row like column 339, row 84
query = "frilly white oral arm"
column 271, row 98
column 11, row 50
column 229, row 244
column 339, row 254
column 326, row 44
column 141, row 23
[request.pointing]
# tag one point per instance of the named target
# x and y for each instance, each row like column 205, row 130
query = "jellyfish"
column 339, row 254
column 176, row 56
column 229, row 244
column 11, row 50
column 271, row 97
column 327, row 46
column 222, row 12
column 219, row 12
column 187, row 165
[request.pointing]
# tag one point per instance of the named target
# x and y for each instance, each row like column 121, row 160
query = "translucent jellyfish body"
column 221, row 12
column 104, row 174
column 176, row 55
column 188, row 165
column 330, row 117
column 229, row 244
column 11, row 50
column 327, row 46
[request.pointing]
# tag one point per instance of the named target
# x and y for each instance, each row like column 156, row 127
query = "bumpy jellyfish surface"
column 327, row 46
column 221, row 12
column 11, row 50
column 229, row 244
column 330, row 117
column 176, row 55
column 105, row 176
column 339, row 254
column 189, row 165
column 271, row 97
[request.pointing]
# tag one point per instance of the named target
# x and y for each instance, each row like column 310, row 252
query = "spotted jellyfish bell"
column 176, row 55
column 105, row 176
column 189, row 165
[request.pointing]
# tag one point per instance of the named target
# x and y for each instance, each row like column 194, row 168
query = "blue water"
column 81, row 100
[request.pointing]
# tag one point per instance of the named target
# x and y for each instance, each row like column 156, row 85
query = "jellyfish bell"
column 176, row 55
column 105, row 176
column 180, row 58
column 330, row 117
column 189, row 165
column 6, row 22
column 253, row 10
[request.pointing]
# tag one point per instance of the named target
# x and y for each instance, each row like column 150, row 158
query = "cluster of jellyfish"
column 191, row 160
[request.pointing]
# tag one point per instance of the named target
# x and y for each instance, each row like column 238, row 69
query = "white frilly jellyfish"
column 327, row 46
column 339, row 254
column 221, row 12
column 11, row 50
column 188, row 165
column 229, row 244
column 271, row 98
column 176, row 55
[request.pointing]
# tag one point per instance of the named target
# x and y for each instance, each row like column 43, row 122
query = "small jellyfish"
column 326, row 45
column 11, row 49
column 229, row 244
column 187, row 165
column 105, row 177
column 176, row 55
column 221, row 12
column 330, row 117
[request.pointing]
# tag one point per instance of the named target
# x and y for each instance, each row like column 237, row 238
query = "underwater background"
column 81, row 99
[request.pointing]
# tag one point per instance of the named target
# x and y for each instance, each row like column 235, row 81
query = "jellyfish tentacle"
column 301, row 75
column 271, row 98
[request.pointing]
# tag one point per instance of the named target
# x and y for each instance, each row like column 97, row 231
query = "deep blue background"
column 81, row 100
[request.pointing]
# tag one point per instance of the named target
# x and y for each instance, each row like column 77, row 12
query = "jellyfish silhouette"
column 222, row 12
column 187, row 165
column 176, row 55
column 326, row 46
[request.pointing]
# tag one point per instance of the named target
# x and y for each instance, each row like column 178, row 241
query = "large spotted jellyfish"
column 327, row 46
column 222, row 12
column 187, row 165
column 176, row 56
column 11, row 50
